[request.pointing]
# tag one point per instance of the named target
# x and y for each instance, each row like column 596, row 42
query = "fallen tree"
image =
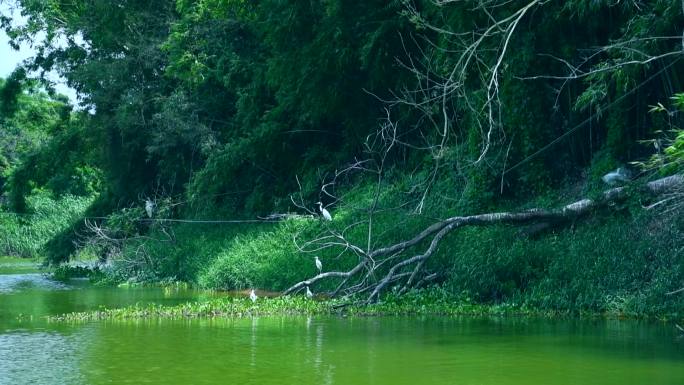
column 398, row 265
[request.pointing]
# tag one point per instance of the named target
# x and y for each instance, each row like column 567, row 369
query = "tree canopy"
column 234, row 105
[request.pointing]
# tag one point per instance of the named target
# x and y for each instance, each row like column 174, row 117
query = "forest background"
column 228, row 120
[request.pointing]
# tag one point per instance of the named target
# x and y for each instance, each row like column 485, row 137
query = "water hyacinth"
column 419, row 302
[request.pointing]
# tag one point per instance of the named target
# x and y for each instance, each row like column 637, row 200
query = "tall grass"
column 26, row 235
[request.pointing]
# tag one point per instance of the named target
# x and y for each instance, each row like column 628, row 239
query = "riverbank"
column 620, row 262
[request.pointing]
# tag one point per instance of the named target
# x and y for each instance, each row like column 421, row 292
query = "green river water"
column 326, row 350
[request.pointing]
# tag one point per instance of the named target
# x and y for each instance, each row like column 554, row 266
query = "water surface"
column 320, row 350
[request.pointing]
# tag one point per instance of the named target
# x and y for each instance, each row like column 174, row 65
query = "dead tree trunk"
column 395, row 263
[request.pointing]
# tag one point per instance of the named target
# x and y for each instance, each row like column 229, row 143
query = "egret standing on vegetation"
column 309, row 294
column 617, row 176
column 325, row 213
column 149, row 207
column 252, row 296
column 319, row 265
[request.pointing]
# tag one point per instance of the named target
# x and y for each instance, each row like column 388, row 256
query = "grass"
column 26, row 235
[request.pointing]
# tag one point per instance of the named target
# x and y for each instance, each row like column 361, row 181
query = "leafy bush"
column 67, row 272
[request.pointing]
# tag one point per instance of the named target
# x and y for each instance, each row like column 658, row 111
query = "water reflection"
column 341, row 351
column 253, row 342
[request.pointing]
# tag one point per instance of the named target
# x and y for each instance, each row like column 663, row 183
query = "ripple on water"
column 20, row 282
column 38, row 358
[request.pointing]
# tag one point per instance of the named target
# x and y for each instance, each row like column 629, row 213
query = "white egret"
column 324, row 213
column 617, row 176
column 252, row 296
column 319, row 265
column 309, row 294
column 149, row 207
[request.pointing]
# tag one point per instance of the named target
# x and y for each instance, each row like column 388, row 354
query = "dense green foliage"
column 27, row 121
column 226, row 102
column 230, row 99
column 48, row 176
column 223, row 109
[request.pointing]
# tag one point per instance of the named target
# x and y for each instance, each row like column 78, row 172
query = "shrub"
column 618, row 265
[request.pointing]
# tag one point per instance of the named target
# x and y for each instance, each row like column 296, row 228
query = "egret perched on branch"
column 617, row 176
column 149, row 207
column 309, row 294
column 252, row 296
column 319, row 265
column 325, row 213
